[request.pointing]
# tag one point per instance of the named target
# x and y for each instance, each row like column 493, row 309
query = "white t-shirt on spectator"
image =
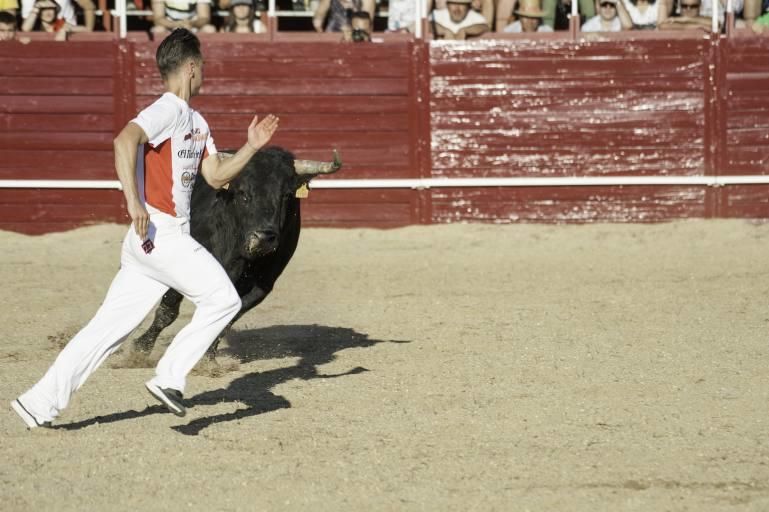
column 642, row 18
column 516, row 28
column 594, row 25
column 67, row 12
column 706, row 8
column 443, row 18
column 179, row 10
column 401, row 15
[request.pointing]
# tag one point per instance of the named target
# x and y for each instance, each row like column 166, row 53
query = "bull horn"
column 304, row 167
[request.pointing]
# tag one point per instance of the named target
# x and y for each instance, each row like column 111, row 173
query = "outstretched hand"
column 260, row 132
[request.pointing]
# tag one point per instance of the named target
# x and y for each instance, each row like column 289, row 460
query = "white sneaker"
column 29, row 420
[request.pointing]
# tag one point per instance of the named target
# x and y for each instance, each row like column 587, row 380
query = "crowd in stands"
column 355, row 19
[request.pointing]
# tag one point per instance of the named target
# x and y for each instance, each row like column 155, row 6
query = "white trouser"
column 179, row 262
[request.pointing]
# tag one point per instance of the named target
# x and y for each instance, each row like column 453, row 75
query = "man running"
column 174, row 145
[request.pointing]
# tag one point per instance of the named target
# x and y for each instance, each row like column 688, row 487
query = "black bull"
column 251, row 227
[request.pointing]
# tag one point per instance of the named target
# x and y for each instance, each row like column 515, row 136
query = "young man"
column 530, row 16
column 7, row 26
column 458, row 21
column 157, row 156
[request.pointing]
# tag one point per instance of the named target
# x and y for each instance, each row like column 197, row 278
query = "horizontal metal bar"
column 561, row 181
column 381, row 13
column 62, row 184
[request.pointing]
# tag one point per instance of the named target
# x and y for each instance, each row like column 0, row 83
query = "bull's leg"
column 248, row 301
column 167, row 312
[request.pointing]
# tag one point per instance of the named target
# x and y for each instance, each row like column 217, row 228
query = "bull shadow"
column 313, row 345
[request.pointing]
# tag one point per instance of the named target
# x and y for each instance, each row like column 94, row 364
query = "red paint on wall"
column 651, row 105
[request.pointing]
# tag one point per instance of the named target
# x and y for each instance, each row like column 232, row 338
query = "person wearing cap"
column 530, row 16
column 556, row 12
column 458, row 21
column 612, row 17
column 241, row 18
column 45, row 17
column 65, row 10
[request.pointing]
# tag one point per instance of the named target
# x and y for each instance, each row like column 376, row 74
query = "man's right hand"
column 140, row 219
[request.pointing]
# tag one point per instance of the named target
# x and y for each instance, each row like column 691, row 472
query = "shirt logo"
column 196, row 136
column 188, row 179
column 189, row 153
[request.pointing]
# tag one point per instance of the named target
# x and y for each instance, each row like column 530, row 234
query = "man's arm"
column 89, row 15
column 442, row 32
column 218, row 172
column 126, row 144
column 624, row 17
column 320, row 14
column 475, row 30
column 202, row 15
column 504, row 12
column 680, row 23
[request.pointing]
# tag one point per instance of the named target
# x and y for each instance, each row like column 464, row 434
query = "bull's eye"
column 243, row 197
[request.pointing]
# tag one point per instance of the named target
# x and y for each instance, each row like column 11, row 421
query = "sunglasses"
column 608, row 4
column 690, row 6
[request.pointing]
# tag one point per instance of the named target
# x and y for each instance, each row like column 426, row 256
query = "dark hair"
column 7, row 17
column 361, row 15
column 230, row 23
column 180, row 46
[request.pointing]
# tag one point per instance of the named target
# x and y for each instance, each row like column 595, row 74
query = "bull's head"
column 264, row 197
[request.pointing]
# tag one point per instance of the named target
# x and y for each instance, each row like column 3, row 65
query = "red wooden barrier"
column 653, row 105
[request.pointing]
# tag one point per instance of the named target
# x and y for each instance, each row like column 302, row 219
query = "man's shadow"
column 314, row 345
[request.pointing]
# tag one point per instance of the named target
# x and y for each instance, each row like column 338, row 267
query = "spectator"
column 556, row 13
column 194, row 15
column 687, row 18
column 612, row 17
column 706, row 9
column 458, row 21
column 336, row 10
column 7, row 26
column 45, row 16
column 9, row 6
column 483, row 7
column 646, row 14
column 67, row 13
column 241, row 18
column 530, row 16
column 359, row 28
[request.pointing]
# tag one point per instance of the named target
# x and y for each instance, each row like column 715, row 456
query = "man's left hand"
column 260, row 132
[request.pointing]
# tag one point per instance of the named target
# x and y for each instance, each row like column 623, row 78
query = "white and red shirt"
column 166, row 167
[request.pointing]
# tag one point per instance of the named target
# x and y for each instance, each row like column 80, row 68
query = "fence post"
column 419, row 124
column 714, row 141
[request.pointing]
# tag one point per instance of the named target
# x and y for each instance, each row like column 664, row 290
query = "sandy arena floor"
column 442, row 368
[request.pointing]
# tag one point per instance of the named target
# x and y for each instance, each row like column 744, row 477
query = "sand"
column 460, row 367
